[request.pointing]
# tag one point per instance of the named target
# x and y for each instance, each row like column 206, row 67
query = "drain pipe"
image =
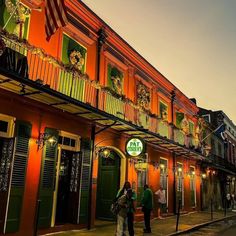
column 101, row 41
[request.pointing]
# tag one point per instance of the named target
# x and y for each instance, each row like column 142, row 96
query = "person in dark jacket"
column 147, row 205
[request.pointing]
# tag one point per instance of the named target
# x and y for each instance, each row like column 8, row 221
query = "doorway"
column 63, row 193
column 108, row 184
column 164, row 179
column 68, row 193
column 180, row 185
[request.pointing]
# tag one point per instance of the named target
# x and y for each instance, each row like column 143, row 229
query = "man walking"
column 161, row 201
column 147, row 205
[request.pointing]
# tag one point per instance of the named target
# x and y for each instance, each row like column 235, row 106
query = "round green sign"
column 134, row 147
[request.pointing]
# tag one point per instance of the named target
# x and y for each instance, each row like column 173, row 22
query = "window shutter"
column 85, row 180
column 47, row 181
column 23, row 134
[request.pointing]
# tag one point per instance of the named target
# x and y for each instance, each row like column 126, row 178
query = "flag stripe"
column 53, row 15
column 64, row 13
column 48, row 22
column 56, row 16
column 60, row 16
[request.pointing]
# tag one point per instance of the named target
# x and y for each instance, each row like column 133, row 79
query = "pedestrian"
column 161, row 201
column 122, row 215
column 228, row 200
column 131, row 196
column 114, row 206
column 147, row 205
column 123, row 190
column 233, row 201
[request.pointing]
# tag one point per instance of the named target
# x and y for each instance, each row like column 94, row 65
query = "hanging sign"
column 134, row 147
column 141, row 166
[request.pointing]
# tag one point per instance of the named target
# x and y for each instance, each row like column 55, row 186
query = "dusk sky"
column 191, row 42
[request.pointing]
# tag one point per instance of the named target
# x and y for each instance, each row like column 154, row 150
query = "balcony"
column 163, row 128
column 179, row 136
column 33, row 64
column 222, row 163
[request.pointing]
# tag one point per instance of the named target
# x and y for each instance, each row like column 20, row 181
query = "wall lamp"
column 179, row 169
column 204, row 175
column 102, row 152
column 162, row 166
column 44, row 138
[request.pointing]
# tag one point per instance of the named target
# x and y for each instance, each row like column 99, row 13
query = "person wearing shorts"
column 161, row 201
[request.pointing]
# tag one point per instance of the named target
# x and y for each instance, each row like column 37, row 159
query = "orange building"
column 68, row 107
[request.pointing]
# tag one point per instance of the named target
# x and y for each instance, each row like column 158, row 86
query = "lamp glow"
column 162, row 166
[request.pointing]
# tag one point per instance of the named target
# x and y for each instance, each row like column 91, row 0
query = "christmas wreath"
column 76, row 59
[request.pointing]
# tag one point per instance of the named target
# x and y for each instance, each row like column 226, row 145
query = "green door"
column 108, row 184
column 47, row 181
column 23, row 134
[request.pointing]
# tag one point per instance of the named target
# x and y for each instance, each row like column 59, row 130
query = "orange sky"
column 191, row 42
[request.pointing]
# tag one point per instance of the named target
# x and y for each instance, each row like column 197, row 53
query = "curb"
column 195, row 227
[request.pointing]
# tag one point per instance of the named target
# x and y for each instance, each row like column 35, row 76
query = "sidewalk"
column 164, row 226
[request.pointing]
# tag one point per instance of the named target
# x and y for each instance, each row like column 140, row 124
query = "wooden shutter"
column 23, row 134
column 85, row 180
column 47, row 181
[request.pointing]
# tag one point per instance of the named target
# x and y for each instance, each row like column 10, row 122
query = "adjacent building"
column 220, row 172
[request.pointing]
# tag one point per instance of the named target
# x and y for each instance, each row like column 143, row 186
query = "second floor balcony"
column 33, row 64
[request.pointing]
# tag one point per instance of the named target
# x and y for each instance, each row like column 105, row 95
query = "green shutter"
column 23, row 134
column 163, row 110
column 191, row 127
column 70, row 45
column 179, row 118
column 11, row 25
column 85, row 180
column 47, row 181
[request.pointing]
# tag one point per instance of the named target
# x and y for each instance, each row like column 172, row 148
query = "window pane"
column 3, row 126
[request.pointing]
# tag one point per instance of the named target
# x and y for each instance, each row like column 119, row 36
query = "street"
column 229, row 232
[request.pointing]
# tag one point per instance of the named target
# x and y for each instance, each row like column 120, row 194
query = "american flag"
column 56, row 16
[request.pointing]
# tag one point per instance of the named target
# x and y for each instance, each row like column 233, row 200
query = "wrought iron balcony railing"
column 219, row 161
column 34, row 64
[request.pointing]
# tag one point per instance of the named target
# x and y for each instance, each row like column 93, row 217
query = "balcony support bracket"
column 105, row 128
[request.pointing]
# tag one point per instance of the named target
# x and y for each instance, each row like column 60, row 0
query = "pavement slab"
column 160, row 227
